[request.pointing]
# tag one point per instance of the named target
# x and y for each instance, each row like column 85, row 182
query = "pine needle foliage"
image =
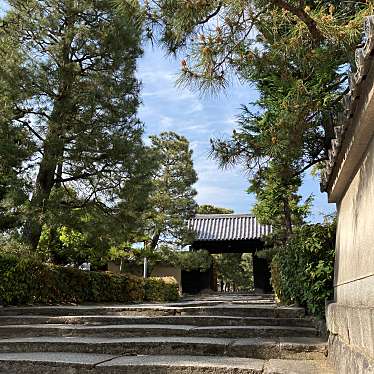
column 296, row 53
column 68, row 91
column 172, row 200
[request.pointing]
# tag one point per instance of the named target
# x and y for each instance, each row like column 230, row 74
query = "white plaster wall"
column 354, row 266
column 168, row 271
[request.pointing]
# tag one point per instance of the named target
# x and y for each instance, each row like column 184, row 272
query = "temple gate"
column 229, row 233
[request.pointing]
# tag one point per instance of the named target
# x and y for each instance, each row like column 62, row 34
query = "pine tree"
column 296, row 53
column 79, row 103
column 16, row 144
column 172, row 201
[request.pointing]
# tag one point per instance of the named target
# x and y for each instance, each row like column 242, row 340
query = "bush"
column 199, row 260
column 161, row 289
column 28, row 281
column 303, row 269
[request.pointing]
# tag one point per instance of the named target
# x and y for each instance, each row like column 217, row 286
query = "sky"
column 166, row 107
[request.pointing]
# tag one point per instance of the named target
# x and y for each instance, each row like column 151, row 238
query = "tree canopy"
column 211, row 209
column 296, row 53
column 235, row 270
column 69, row 98
column 172, row 201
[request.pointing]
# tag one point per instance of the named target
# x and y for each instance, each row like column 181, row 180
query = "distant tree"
column 235, row 269
column 173, row 199
column 86, row 233
column 76, row 102
column 211, row 209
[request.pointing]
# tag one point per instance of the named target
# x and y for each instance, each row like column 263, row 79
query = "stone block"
column 331, row 319
column 303, row 348
column 366, row 316
column 353, row 325
column 297, row 367
column 181, row 364
column 347, row 360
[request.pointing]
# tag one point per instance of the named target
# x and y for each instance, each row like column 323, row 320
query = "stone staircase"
column 213, row 334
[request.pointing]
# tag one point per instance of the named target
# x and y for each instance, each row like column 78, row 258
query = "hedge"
column 161, row 289
column 302, row 271
column 199, row 260
column 28, row 281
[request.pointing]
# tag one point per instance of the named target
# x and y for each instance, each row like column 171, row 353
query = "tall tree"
column 80, row 99
column 85, row 233
column 297, row 53
column 16, row 144
column 172, row 201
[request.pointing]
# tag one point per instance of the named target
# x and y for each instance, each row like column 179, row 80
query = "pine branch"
column 210, row 16
column 308, row 166
column 25, row 123
column 83, row 175
column 303, row 16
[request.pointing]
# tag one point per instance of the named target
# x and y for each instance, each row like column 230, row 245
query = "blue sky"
column 169, row 108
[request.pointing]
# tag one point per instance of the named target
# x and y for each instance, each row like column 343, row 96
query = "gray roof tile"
column 209, row 227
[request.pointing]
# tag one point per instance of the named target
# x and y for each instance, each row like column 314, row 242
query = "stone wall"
column 349, row 181
column 351, row 345
column 350, row 319
column 354, row 270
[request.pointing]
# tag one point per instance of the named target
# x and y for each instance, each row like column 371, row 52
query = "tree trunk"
column 287, row 218
column 54, row 237
column 53, row 147
column 154, row 241
column 53, row 151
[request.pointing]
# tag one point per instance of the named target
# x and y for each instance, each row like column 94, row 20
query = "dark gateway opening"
column 228, row 233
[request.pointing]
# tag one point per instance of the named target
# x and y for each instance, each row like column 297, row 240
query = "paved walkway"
column 218, row 333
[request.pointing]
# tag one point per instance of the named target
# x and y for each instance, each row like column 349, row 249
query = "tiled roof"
column 209, row 227
column 364, row 61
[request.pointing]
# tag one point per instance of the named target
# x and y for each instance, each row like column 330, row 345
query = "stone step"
column 275, row 348
column 172, row 320
column 298, row 367
column 60, row 362
column 155, row 330
column 264, row 311
column 246, row 311
column 185, row 303
column 229, row 298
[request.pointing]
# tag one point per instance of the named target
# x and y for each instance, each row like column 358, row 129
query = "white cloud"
column 170, row 95
column 156, row 77
column 232, row 121
column 225, row 197
column 196, row 145
column 167, row 123
column 167, row 107
column 201, row 128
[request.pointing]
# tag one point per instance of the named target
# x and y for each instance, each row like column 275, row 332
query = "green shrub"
column 302, row 270
column 199, row 260
column 161, row 289
column 28, row 281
